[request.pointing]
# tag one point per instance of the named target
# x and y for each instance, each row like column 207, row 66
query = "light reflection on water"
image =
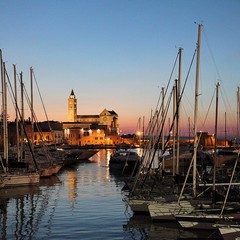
column 82, row 202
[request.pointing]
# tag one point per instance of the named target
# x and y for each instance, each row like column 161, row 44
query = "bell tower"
column 72, row 108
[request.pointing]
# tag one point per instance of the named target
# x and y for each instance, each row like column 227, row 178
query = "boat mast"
column 189, row 131
column 16, row 111
column 143, row 137
column 196, row 110
column 163, row 142
column 32, row 120
column 215, row 146
column 22, row 119
column 5, row 125
column 4, row 113
column 238, row 114
column 174, row 128
column 178, row 107
column 225, row 130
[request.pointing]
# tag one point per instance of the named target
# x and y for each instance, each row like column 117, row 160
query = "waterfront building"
column 48, row 132
column 98, row 129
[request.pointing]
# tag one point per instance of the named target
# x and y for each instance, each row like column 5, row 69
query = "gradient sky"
column 119, row 54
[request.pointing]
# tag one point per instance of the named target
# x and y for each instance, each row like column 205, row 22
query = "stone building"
column 48, row 132
column 100, row 129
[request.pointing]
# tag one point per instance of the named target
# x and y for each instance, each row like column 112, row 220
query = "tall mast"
column 5, row 125
column 22, row 118
column 225, row 130
column 238, row 114
column 4, row 111
column 2, row 117
column 32, row 117
column 163, row 143
column 174, row 128
column 16, row 111
column 189, row 131
column 196, row 111
column 143, row 138
column 178, row 107
column 215, row 145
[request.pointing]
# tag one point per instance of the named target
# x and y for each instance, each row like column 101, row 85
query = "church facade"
column 99, row 129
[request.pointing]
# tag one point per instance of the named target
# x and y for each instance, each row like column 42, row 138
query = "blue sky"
column 118, row 54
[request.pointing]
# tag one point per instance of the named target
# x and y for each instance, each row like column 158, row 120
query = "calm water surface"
column 82, row 202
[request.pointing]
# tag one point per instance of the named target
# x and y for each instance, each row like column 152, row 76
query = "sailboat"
column 47, row 163
column 229, row 231
column 173, row 209
column 165, row 189
column 198, row 211
column 12, row 177
column 224, row 212
column 185, row 204
column 166, row 205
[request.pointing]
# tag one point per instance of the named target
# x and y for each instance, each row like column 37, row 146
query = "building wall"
column 84, row 136
column 87, row 119
column 93, row 137
column 110, row 120
column 113, row 140
column 75, row 134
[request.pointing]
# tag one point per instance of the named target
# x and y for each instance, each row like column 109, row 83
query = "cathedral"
column 90, row 129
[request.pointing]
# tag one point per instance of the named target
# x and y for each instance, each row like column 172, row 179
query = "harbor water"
column 84, row 201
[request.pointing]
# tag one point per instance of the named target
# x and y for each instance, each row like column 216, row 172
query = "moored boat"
column 208, row 219
column 124, row 161
column 50, row 170
column 2, row 182
column 139, row 206
column 74, row 156
column 14, row 177
column 229, row 231
column 20, row 179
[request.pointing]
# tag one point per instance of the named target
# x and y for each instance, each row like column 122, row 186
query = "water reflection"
column 83, row 202
column 142, row 227
column 72, row 185
column 22, row 208
column 102, row 159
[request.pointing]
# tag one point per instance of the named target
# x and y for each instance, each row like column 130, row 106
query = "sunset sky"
column 118, row 54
